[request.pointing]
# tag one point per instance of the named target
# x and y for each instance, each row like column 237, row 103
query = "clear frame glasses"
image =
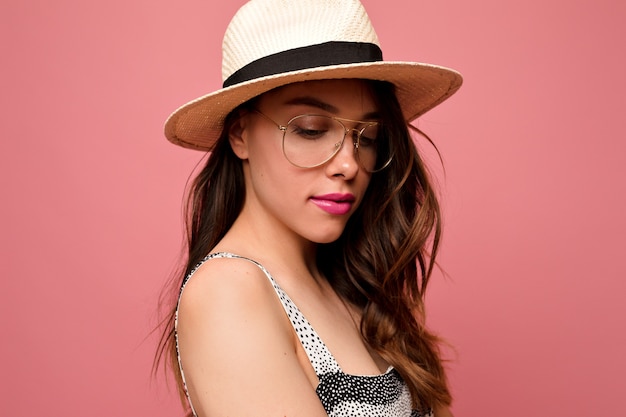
column 311, row 140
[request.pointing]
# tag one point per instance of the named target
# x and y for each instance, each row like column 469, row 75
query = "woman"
column 313, row 227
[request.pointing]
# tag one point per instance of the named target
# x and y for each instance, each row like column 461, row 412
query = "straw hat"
column 271, row 43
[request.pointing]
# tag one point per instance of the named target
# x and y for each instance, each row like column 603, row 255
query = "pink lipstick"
column 334, row 203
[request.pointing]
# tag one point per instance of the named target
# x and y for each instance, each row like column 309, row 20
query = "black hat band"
column 313, row 56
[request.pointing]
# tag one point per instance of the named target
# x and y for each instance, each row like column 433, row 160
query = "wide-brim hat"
column 271, row 43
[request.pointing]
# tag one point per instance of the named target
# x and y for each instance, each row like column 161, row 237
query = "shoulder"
column 235, row 341
column 224, row 272
column 227, row 287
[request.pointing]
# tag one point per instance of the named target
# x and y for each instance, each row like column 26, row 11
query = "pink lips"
column 334, row 203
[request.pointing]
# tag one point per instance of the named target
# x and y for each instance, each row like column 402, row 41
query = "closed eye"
column 364, row 141
column 369, row 136
column 308, row 134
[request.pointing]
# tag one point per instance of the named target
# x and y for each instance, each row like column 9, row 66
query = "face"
column 310, row 203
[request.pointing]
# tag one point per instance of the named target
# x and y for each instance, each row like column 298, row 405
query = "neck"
column 279, row 249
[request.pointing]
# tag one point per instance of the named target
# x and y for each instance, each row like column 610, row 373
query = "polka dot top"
column 341, row 394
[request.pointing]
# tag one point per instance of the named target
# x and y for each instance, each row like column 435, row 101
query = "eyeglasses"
column 311, row 140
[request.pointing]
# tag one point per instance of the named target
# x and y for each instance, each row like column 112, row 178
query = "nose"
column 345, row 162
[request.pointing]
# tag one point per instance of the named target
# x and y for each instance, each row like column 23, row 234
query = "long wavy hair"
column 381, row 263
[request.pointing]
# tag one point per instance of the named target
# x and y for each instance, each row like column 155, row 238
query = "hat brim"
column 419, row 88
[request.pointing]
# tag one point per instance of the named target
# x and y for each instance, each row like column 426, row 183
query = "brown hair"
column 382, row 262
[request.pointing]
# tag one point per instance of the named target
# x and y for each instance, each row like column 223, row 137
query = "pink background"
column 534, row 196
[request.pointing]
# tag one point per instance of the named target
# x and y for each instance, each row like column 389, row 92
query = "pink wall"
column 534, row 196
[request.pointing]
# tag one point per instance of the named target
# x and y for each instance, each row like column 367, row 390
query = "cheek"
column 268, row 162
column 264, row 147
column 270, row 172
column 362, row 183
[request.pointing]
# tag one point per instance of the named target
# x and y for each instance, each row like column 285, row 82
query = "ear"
column 237, row 136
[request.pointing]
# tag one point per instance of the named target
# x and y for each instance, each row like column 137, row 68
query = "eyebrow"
column 313, row 102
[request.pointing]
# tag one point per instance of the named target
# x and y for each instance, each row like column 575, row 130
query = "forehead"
column 344, row 96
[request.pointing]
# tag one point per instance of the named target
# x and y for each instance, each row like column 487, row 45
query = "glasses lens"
column 373, row 150
column 311, row 140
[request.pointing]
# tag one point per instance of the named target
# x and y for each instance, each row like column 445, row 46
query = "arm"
column 238, row 348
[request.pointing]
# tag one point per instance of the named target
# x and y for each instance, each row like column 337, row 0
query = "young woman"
column 313, row 228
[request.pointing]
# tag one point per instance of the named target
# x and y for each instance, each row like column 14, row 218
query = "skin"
column 240, row 353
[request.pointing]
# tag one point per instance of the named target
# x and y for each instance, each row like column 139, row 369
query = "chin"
column 328, row 237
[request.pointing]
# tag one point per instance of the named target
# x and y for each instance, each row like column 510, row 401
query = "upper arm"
column 237, row 346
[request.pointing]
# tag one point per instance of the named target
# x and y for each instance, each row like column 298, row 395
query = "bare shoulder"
column 237, row 346
column 225, row 299
column 228, row 283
